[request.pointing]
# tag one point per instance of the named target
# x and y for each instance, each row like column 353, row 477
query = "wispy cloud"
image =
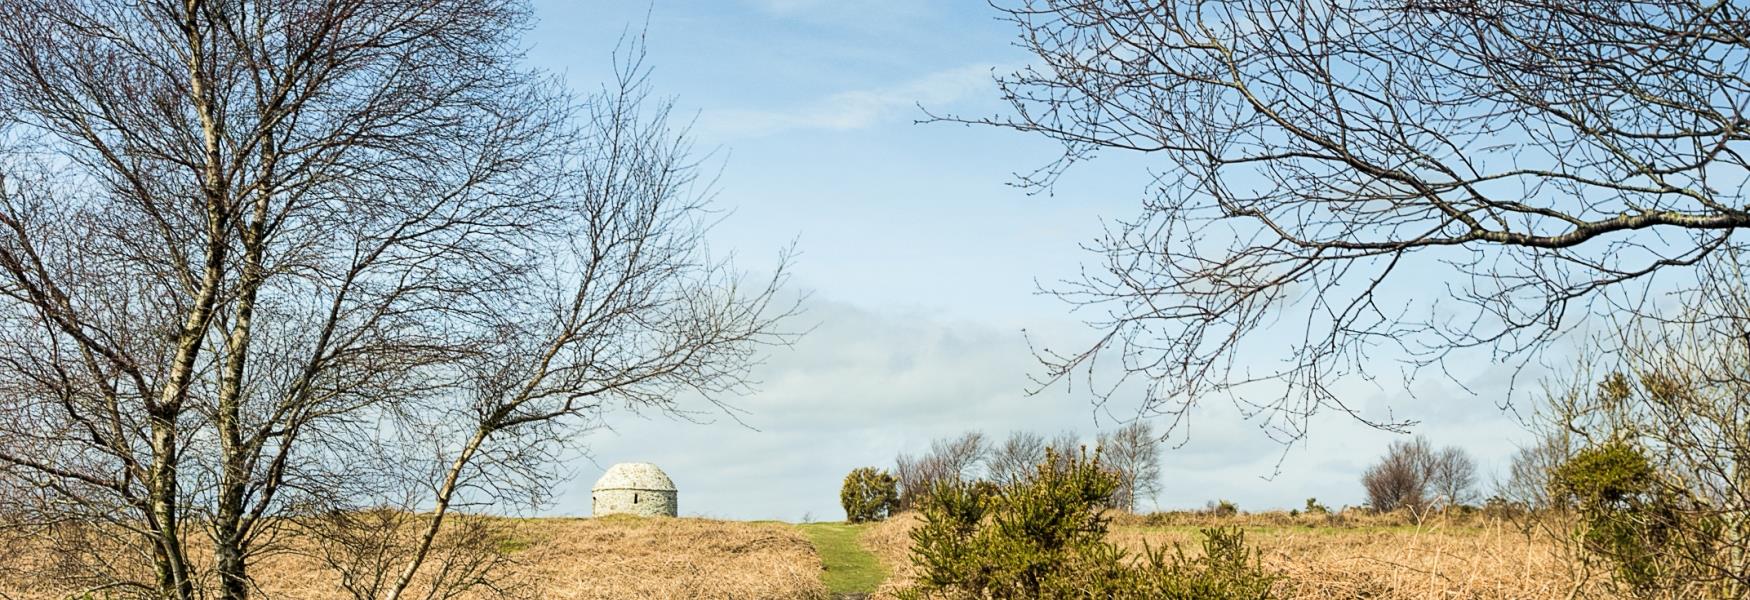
column 855, row 109
column 868, row 384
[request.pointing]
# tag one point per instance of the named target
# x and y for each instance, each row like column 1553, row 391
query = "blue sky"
column 920, row 259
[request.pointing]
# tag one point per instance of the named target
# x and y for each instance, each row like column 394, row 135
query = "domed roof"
column 634, row 476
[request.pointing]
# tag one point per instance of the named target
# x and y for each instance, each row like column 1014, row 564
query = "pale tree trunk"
column 170, row 561
column 174, row 579
column 446, row 493
column 161, row 487
column 229, row 532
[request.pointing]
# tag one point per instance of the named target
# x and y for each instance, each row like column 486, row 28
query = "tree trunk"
column 170, row 560
column 445, row 494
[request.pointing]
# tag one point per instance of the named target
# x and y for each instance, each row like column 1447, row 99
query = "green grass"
column 850, row 568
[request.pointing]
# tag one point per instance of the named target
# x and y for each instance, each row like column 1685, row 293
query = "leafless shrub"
column 366, row 548
column 1413, row 475
column 1400, row 478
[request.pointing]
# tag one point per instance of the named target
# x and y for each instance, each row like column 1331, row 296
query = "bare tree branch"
column 1540, row 161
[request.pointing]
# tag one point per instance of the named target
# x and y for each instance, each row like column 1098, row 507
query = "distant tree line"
column 1131, row 453
column 1412, row 475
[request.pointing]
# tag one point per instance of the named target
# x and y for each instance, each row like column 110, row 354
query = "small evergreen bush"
column 1045, row 537
column 1227, row 570
column 869, row 494
column 1628, row 518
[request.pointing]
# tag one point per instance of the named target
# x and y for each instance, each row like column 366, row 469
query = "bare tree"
column 1017, row 458
column 1452, row 477
column 1067, row 444
column 264, row 263
column 1135, row 453
column 1414, row 475
column 1545, row 158
column 956, row 459
column 1527, row 481
column 1400, row 478
column 963, row 457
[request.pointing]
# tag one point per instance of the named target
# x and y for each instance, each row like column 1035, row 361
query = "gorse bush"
column 1647, row 466
column 869, row 494
column 1044, row 536
column 1227, row 570
column 1630, row 520
column 1221, row 508
column 976, row 543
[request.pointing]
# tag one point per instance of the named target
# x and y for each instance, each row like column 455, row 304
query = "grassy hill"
column 559, row 559
column 1322, row 557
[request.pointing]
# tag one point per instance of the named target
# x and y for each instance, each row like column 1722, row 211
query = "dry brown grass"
column 577, row 559
column 628, row 557
column 1345, row 556
column 1353, row 555
column 890, row 542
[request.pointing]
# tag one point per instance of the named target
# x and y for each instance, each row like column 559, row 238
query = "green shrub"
column 1628, row 518
column 1221, row 508
column 1225, row 571
column 869, row 494
column 1313, row 506
column 1045, row 537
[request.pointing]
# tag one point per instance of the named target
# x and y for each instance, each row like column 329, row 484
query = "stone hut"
column 634, row 489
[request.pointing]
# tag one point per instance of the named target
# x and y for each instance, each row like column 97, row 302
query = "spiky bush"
column 869, row 494
column 1045, row 537
column 1631, row 520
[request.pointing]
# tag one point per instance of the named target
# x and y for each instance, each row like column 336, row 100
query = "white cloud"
column 860, row 388
column 867, row 385
column 851, row 110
